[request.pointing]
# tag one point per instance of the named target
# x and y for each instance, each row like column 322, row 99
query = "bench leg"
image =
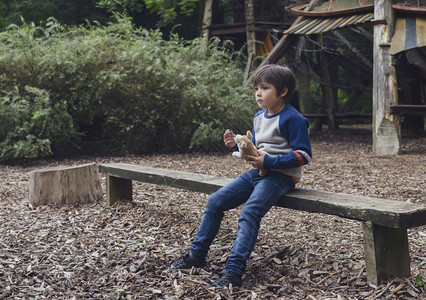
column 117, row 189
column 386, row 253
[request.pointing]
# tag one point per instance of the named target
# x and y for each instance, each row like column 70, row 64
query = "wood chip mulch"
column 121, row 252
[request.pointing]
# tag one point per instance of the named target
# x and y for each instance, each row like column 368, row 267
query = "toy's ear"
column 249, row 135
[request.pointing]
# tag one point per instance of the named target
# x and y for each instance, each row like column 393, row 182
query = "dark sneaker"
column 188, row 261
column 226, row 278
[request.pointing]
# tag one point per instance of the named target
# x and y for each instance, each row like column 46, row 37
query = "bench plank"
column 389, row 213
column 184, row 180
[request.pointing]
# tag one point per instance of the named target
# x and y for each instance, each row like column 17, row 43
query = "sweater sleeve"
column 295, row 130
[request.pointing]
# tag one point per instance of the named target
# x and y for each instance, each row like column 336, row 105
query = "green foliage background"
column 37, row 11
column 115, row 89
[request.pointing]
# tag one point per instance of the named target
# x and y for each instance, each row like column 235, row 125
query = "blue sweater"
column 284, row 136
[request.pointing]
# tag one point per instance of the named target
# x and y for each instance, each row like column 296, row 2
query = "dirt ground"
column 122, row 252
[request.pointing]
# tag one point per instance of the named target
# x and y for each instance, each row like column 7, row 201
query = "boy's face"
column 266, row 97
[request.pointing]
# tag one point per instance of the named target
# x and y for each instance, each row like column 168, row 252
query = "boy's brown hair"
column 278, row 76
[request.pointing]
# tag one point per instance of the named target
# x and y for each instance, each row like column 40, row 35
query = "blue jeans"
column 259, row 194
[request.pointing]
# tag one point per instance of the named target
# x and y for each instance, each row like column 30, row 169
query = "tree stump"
column 65, row 185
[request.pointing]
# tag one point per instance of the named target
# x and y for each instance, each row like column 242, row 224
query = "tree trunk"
column 64, row 185
column 207, row 18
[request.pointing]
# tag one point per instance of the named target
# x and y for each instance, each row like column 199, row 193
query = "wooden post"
column 386, row 126
column 65, row 185
column 329, row 94
column 303, row 83
column 250, row 36
column 118, row 189
column 386, row 253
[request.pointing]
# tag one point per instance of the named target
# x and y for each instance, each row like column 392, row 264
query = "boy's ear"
column 284, row 93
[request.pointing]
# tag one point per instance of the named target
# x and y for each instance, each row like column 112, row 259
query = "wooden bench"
column 385, row 222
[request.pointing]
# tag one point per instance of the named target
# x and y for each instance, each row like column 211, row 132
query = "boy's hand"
column 228, row 138
column 256, row 161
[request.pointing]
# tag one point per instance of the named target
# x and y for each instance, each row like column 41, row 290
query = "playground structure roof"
column 410, row 25
column 317, row 25
column 332, row 8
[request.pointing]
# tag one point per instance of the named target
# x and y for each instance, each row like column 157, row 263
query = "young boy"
column 282, row 132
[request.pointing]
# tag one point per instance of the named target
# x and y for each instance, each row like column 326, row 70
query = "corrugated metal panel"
column 320, row 25
column 410, row 32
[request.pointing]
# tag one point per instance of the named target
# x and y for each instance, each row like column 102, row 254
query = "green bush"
column 31, row 125
column 126, row 89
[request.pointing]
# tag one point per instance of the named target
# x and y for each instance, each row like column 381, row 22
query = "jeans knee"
column 212, row 205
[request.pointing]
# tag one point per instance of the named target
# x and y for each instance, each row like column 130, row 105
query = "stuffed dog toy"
column 246, row 147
